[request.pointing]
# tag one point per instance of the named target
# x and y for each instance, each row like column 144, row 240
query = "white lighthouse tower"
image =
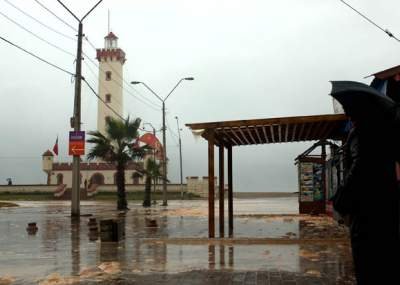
column 111, row 59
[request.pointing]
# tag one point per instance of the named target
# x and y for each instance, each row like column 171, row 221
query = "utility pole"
column 76, row 124
column 76, row 119
column 180, row 155
column 164, row 160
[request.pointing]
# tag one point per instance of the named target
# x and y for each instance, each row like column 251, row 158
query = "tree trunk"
column 122, row 203
column 147, row 192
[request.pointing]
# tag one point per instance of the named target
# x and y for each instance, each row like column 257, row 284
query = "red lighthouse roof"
column 111, row 36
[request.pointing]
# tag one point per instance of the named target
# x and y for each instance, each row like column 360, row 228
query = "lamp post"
column 154, row 158
column 165, row 203
column 180, row 155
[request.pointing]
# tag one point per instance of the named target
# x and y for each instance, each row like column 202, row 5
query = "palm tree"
column 152, row 174
column 117, row 146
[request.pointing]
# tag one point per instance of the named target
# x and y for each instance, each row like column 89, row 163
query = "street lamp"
column 165, row 203
column 154, row 158
column 180, row 154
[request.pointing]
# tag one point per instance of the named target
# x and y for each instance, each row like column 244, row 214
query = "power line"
column 127, row 83
column 104, row 102
column 386, row 31
column 143, row 99
column 119, row 84
column 55, row 15
column 36, row 36
column 36, row 56
column 92, row 61
column 37, row 21
column 97, row 95
column 91, row 70
column 142, row 129
column 172, row 133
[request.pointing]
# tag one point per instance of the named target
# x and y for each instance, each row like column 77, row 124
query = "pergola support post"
column 211, row 186
column 230, row 192
column 221, row 192
column 324, row 186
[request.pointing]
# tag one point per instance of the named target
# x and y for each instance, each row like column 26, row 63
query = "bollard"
column 111, row 230
column 93, row 229
column 151, row 223
column 32, row 228
column 93, row 224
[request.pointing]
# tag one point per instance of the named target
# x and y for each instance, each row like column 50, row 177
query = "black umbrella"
column 363, row 102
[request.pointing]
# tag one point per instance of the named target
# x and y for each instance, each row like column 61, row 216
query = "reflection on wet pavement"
column 171, row 243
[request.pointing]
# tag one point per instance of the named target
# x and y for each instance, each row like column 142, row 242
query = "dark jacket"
column 370, row 163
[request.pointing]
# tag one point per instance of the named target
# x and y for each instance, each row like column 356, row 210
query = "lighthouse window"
column 108, row 98
column 108, row 75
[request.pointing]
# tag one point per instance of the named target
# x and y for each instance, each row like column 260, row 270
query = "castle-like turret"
column 47, row 164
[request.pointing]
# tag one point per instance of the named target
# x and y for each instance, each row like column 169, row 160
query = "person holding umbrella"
column 370, row 195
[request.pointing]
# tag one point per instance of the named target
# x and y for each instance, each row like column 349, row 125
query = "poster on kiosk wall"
column 310, row 179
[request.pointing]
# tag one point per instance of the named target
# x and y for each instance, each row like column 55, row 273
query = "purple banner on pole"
column 77, row 136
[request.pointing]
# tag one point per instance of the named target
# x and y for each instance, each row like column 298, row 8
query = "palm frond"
column 115, row 129
column 132, row 128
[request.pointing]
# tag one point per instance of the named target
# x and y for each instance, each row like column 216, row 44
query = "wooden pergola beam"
column 221, row 192
column 286, row 133
column 231, row 138
column 267, row 122
column 265, row 134
column 271, row 127
column 258, row 134
column 244, row 136
column 236, row 136
column 230, row 192
column 253, row 140
column 211, row 186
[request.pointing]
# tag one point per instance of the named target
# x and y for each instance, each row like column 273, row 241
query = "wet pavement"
column 272, row 244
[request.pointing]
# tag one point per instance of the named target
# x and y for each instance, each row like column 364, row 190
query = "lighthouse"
column 111, row 60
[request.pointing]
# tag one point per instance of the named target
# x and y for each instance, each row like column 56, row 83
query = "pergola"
column 228, row 134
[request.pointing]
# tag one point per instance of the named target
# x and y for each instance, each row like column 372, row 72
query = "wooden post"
column 231, row 256
column 211, row 185
column 230, row 192
column 323, row 178
column 222, row 256
column 211, row 257
column 221, row 192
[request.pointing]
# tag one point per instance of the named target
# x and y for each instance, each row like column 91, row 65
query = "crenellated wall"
column 199, row 186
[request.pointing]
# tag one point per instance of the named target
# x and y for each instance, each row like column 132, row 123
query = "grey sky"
column 250, row 59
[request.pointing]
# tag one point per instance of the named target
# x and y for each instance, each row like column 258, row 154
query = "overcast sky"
column 250, row 59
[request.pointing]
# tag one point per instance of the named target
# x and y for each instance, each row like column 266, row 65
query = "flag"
column 55, row 147
column 152, row 141
column 149, row 139
column 135, row 144
column 159, row 150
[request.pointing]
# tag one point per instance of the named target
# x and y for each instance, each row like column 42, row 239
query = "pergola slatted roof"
column 274, row 130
